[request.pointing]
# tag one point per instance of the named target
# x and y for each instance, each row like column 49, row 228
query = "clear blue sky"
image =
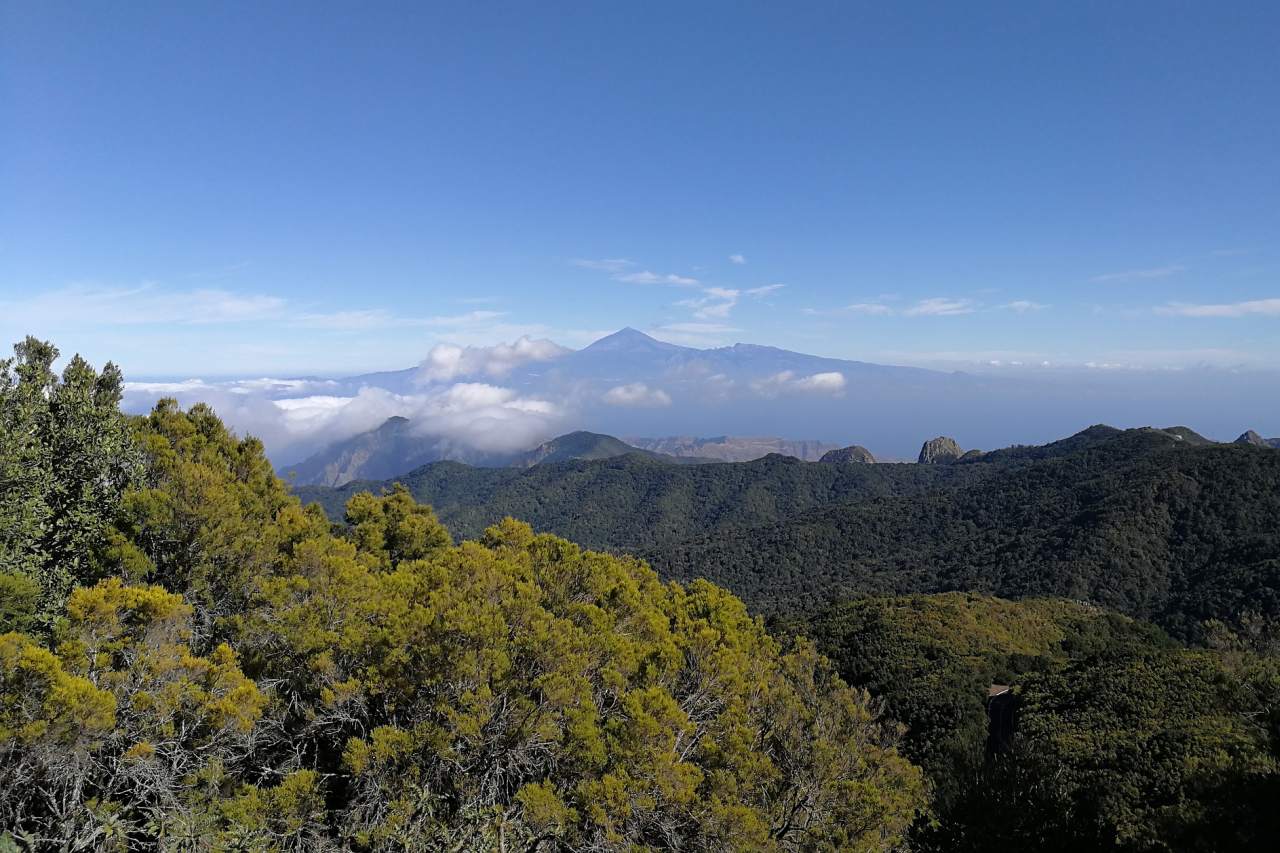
column 314, row 187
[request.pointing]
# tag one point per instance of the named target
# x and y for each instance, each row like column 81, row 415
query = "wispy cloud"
column 867, row 308
column 719, row 302
column 940, row 307
column 380, row 318
column 716, row 303
column 141, row 305
column 1139, row 275
column 934, row 307
column 1023, row 306
column 603, row 265
column 737, row 259
column 1250, row 308
column 698, row 328
column 860, row 308
column 647, row 277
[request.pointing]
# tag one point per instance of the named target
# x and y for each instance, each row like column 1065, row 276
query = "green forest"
column 1059, row 648
column 1159, row 524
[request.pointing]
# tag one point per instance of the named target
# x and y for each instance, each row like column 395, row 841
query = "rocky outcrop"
column 939, row 451
column 973, row 454
column 1252, row 438
column 854, row 453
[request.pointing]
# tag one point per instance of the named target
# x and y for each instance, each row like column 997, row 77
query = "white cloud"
column 940, row 307
column 604, row 265
column 637, row 395
column 470, row 415
column 759, row 292
column 737, row 259
column 868, row 309
column 159, row 389
column 267, row 385
column 1024, row 306
column 1137, row 275
column 446, row 362
column 1251, row 308
column 787, row 382
column 647, row 277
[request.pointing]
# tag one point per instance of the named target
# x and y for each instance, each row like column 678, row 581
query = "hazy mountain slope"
column 729, row 448
column 383, row 452
column 590, row 445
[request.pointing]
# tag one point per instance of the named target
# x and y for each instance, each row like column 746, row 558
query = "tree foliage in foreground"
column 65, row 460
column 242, row 678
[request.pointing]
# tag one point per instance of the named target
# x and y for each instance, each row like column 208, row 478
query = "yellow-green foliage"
column 250, row 679
column 521, row 687
column 121, row 716
column 210, row 516
column 41, row 703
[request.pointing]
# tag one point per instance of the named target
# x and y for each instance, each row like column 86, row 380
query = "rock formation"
column 939, row 451
column 846, row 455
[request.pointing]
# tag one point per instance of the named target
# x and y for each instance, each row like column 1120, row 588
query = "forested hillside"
column 1142, row 521
column 1102, row 733
column 1159, row 524
column 630, row 502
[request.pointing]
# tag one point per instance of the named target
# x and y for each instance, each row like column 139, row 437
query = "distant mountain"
column 631, row 384
column 734, row 448
column 1252, row 438
column 590, row 445
column 395, row 448
column 391, row 449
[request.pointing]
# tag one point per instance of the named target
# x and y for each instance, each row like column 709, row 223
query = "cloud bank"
column 787, row 382
column 446, row 362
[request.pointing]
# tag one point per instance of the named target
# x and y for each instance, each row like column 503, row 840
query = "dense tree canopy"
column 1118, row 739
column 234, row 675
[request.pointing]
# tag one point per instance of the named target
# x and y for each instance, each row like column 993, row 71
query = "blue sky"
column 276, row 188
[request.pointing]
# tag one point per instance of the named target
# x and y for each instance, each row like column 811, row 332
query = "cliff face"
column 939, row 451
